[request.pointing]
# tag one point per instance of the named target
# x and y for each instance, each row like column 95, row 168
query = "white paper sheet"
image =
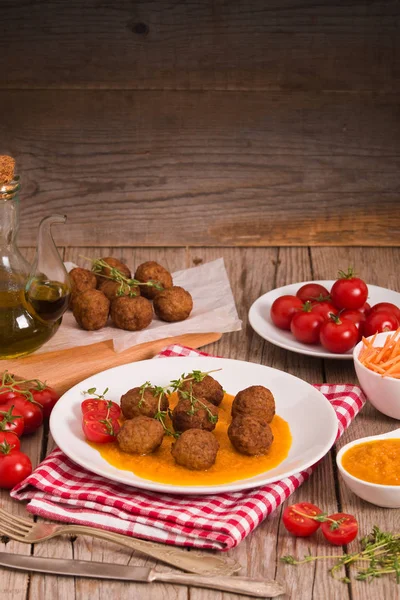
column 213, row 310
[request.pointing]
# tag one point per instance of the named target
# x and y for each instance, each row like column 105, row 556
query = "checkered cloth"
column 61, row 490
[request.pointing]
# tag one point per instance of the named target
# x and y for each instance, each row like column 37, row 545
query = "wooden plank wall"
column 217, row 123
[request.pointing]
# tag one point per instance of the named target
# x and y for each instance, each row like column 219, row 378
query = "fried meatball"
column 114, row 264
column 250, row 435
column 182, row 419
column 81, row 280
column 174, row 304
column 132, row 314
column 91, row 309
column 208, row 388
column 114, row 289
column 141, row 435
column 135, row 403
column 255, row 401
column 152, row 271
column 195, row 449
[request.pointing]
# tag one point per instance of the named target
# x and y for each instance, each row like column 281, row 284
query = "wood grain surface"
column 217, row 168
column 252, row 271
column 256, row 45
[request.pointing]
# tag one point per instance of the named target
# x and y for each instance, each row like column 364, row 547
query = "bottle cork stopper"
column 7, row 166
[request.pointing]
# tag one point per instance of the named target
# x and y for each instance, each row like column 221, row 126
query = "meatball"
column 91, row 310
column 250, row 436
column 114, row 289
column 256, row 401
column 132, row 314
column 208, row 388
column 195, row 449
column 202, row 415
column 114, row 264
column 140, row 436
column 152, row 271
column 81, row 280
column 173, row 304
column 142, row 401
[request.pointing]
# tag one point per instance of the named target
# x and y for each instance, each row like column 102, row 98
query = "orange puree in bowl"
column 229, row 466
column 377, row 461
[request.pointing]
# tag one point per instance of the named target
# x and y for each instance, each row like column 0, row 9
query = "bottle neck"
column 9, row 213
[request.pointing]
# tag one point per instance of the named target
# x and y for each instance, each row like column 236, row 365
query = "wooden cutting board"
column 64, row 368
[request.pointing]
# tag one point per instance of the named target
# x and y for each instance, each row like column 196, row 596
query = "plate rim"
column 286, row 346
column 163, row 488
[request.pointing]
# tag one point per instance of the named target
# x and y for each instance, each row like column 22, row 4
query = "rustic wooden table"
column 252, row 271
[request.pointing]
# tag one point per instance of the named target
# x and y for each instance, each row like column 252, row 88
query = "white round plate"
column 260, row 319
column 311, row 418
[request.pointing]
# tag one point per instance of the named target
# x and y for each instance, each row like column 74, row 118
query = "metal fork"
column 26, row 531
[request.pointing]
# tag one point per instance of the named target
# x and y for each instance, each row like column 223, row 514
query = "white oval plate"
column 311, row 418
column 260, row 319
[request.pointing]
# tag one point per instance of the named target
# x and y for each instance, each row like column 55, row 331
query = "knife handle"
column 259, row 588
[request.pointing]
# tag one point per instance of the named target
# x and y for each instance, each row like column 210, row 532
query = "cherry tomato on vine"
column 11, row 419
column 380, row 321
column 386, row 307
column 358, row 319
column 32, row 413
column 345, row 532
column 299, row 524
column 365, row 309
column 312, row 291
column 7, row 394
column 324, row 309
column 46, row 397
column 349, row 291
column 338, row 335
column 306, row 325
column 14, row 467
column 103, row 406
column 10, row 438
column 283, row 309
column 98, row 431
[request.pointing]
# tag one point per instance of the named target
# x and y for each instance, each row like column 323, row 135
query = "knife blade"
column 83, row 568
column 74, row 568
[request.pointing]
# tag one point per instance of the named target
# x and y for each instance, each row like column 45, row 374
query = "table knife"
column 82, row 568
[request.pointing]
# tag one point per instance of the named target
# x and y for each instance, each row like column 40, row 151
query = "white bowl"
column 382, row 392
column 387, row 496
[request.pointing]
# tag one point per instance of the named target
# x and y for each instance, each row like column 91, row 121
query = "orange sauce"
column 229, row 466
column 377, row 461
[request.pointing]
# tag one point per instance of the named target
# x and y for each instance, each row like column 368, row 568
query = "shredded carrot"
column 382, row 359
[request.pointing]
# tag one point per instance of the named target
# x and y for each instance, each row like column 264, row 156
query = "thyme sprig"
column 98, row 264
column 92, row 392
column 380, row 549
column 196, row 401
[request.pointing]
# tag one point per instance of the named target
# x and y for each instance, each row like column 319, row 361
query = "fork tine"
column 12, row 518
column 17, row 527
column 11, row 534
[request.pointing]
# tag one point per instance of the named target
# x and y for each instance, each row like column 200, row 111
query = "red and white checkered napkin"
column 61, row 490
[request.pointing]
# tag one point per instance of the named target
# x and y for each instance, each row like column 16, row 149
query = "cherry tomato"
column 358, row 319
column 46, row 397
column 101, row 433
column 103, row 406
column 312, row 291
column 7, row 394
column 11, row 419
column 349, row 291
column 382, row 320
column 9, row 437
column 365, row 309
column 14, row 467
column 324, row 309
column 387, row 307
column 283, row 309
column 32, row 413
column 298, row 524
column 345, row 533
column 305, row 326
column 338, row 335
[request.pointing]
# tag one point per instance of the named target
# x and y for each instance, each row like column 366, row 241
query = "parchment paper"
column 213, row 310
